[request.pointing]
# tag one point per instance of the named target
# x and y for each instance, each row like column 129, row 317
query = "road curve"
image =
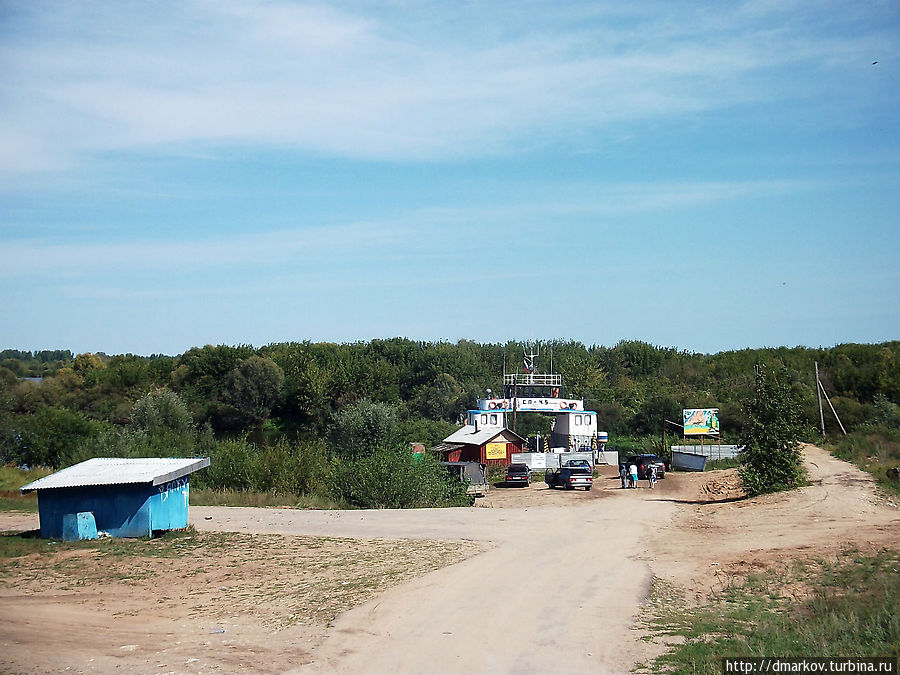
column 556, row 589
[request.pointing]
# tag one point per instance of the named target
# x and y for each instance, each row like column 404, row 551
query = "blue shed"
column 127, row 497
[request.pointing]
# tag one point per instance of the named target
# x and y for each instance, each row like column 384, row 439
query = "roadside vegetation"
column 874, row 446
column 11, row 479
column 770, row 460
column 285, row 422
column 841, row 608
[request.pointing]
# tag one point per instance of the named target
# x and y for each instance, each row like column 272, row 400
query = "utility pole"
column 819, row 392
column 830, row 405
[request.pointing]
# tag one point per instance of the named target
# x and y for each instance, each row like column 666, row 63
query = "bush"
column 159, row 411
column 295, row 469
column 230, row 465
column 393, row 478
column 47, row 437
column 361, row 428
column 885, row 413
column 771, row 459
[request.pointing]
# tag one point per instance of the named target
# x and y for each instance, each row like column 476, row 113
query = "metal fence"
column 713, row 452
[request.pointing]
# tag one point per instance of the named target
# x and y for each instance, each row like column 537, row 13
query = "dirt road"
column 562, row 585
column 564, row 574
column 548, row 581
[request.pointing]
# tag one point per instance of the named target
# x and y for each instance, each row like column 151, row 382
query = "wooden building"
column 491, row 445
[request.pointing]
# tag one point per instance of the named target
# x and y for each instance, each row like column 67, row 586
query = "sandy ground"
column 504, row 587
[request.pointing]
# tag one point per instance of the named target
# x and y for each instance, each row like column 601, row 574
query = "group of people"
column 629, row 475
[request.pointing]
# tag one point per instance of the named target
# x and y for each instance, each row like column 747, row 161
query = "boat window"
column 484, row 419
column 578, row 420
column 493, row 419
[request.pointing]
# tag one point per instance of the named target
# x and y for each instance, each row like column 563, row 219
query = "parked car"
column 518, row 474
column 574, row 473
column 644, row 462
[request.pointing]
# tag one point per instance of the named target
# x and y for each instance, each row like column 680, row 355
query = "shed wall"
column 121, row 510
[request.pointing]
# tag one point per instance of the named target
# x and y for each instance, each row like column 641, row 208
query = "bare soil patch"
column 720, row 536
column 208, row 602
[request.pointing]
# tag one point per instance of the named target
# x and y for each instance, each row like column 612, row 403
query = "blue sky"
column 706, row 176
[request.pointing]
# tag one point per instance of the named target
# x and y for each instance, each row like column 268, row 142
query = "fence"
column 712, row 452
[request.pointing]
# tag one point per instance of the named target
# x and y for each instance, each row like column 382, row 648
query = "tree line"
column 57, row 407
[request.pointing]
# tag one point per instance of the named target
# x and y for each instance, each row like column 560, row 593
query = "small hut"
column 123, row 497
column 491, row 445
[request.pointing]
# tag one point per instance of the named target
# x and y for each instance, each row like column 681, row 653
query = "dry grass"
column 278, row 580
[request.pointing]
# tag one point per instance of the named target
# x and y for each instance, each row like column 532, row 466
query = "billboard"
column 699, row 421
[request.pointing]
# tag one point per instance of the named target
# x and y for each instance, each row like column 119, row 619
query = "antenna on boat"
column 529, row 357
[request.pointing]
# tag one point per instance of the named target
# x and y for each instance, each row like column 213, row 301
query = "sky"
column 700, row 175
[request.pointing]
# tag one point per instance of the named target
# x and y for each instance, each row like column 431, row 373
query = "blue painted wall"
column 121, row 510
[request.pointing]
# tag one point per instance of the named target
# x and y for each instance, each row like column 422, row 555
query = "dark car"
column 574, row 473
column 644, row 462
column 518, row 474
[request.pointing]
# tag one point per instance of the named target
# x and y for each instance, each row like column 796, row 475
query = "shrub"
column 161, row 410
column 391, row 477
column 360, row 428
column 295, row 469
column 46, row 438
column 771, row 459
column 230, row 466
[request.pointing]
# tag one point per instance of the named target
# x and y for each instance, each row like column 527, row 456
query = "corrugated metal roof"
column 117, row 470
column 447, row 447
column 471, row 435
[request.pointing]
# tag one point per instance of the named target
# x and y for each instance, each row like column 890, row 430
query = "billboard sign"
column 701, row 421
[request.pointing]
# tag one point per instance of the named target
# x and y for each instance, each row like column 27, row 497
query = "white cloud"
column 91, row 78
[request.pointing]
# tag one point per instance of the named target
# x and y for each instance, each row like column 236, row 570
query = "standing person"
column 623, row 474
column 651, row 475
column 633, row 471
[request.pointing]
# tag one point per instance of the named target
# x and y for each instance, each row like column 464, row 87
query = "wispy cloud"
column 260, row 250
column 440, row 234
column 88, row 78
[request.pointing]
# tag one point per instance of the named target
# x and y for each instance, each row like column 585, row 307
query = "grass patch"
column 171, row 544
column 728, row 463
column 11, row 479
column 213, row 497
column 842, row 608
column 874, row 449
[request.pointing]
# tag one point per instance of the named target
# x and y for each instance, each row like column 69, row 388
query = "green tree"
column 885, row 412
column 440, row 400
column 771, row 460
column 362, row 428
column 46, row 438
column 161, row 410
column 254, row 387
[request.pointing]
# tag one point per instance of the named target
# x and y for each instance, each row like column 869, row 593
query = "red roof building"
column 492, row 445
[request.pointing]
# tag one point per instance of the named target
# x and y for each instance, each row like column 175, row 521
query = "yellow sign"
column 495, row 451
